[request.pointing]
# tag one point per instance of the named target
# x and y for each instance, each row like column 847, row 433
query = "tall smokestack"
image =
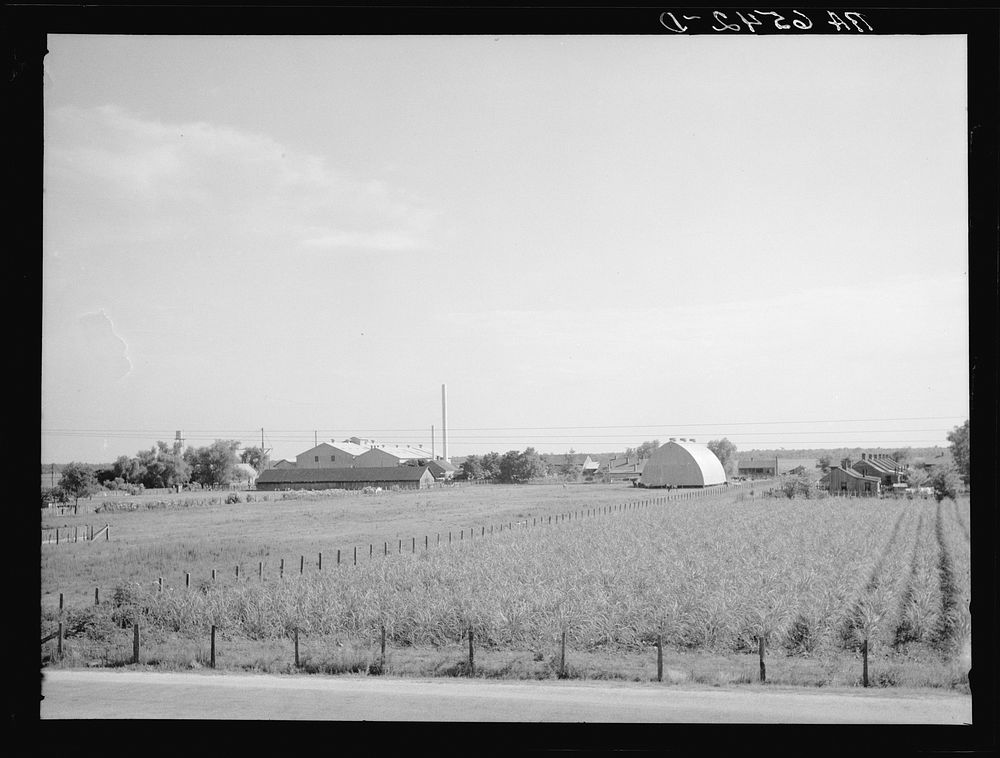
column 444, row 422
column 432, row 443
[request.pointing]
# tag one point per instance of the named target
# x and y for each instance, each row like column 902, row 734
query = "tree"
column 161, row 467
column 959, row 439
column 78, row 480
column 530, row 465
column 473, row 467
column 646, row 449
column 520, row 467
column 725, row 451
column 508, row 466
column 212, row 465
column 946, row 483
column 824, row 463
column 569, row 468
column 491, row 465
column 255, row 457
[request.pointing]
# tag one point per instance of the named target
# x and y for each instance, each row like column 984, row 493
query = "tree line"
column 161, row 466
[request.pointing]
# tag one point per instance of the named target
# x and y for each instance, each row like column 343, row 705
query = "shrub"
column 232, row 497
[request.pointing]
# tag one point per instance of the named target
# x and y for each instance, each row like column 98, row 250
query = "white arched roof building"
column 682, row 464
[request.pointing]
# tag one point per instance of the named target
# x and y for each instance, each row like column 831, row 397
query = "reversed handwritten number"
column 852, row 15
column 677, row 25
column 721, row 18
column 750, row 23
column 807, row 24
column 778, row 18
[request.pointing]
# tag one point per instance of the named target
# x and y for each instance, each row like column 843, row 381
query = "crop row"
column 710, row 574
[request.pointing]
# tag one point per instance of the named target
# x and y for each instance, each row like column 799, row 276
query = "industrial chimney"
column 444, row 422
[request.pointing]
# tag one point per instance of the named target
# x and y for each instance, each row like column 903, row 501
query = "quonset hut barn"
column 682, row 463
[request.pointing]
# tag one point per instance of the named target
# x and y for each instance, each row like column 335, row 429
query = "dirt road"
column 207, row 695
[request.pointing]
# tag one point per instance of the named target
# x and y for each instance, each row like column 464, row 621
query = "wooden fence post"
column 562, row 656
column 302, row 564
column 413, row 544
column 659, row 657
column 97, row 596
column 57, row 535
column 760, row 652
column 60, row 603
column 213, row 575
column 237, row 571
column 212, row 659
column 107, row 532
column 864, row 655
column 187, row 579
column 425, row 543
column 320, row 564
column 472, row 663
column 355, row 555
column 296, row 647
column 260, row 570
column 338, row 557
column 59, row 644
column 135, row 643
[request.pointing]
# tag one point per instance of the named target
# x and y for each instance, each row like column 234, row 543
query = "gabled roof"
column 321, row 448
column 443, row 465
column 367, row 474
column 348, row 447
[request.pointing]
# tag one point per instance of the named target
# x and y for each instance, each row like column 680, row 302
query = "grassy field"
column 709, row 576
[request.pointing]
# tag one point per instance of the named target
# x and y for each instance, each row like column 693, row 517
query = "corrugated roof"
column 367, row 474
column 850, row 472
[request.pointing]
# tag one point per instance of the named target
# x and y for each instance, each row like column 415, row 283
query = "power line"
column 512, row 428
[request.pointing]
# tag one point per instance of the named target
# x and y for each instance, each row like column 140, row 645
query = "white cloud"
column 136, row 177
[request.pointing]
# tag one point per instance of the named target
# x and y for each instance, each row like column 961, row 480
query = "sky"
column 592, row 241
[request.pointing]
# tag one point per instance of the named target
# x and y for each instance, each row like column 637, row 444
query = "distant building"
column 392, row 455
column 759, row 467
column 888, row 471
column 682, row 464
column 330, row 455
column 403, row 477
column 442, row 471
column 625, row 469
column 844, row 480
column 283, row 464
